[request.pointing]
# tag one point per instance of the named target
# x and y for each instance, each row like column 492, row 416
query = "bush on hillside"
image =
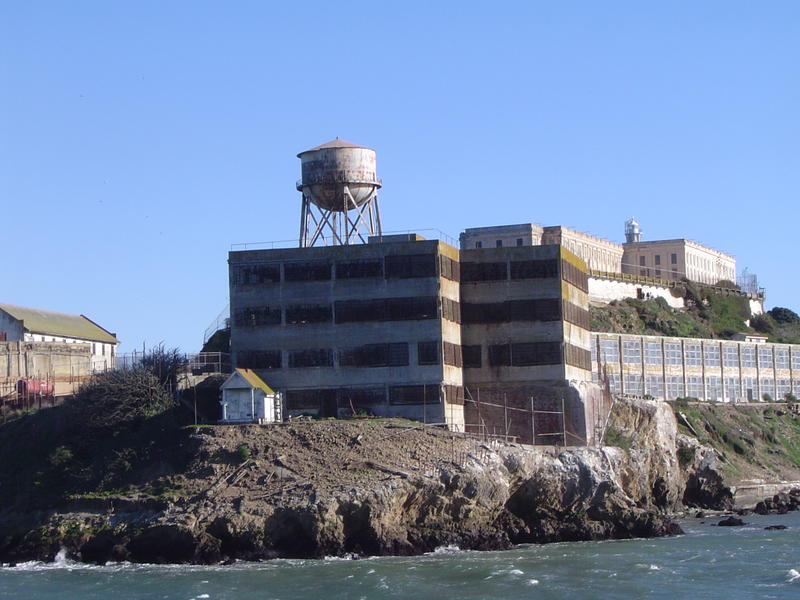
column 117, row 398
column 784, row 315
column 763, row 323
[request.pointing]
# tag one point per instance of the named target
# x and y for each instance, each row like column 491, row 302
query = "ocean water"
column 709, row 562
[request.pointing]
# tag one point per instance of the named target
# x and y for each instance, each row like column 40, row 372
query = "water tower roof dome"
column 335, row 143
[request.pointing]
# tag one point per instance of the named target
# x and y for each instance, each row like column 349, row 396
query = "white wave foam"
column 451, row 549
column 532, row 582
column 793, row 575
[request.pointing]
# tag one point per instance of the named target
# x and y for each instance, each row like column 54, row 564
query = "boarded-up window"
column 411, row 309
column 414, row 394
column 315, row 357
column 499, row 355
column 386, row 309
column 525, row 354
column 359, row 269
column 534, row 269
column 255, row 274
column 488, row 312
column 576, row 315
column 361, row 397
column 454, row 394
column 449, row 268
column 412, row 265
column 428, row 353
column 260, row 359
column 375, row 355
column 578, row 357
column 451, row 310
column 307, row 271
column 471, row 356
column 308, row 399
column 257, row 316
column 541, row 309
column 577, row 277
column 302, row 314
column 451, row 354
column 493, row 271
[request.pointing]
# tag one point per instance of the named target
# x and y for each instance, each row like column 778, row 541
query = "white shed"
column 247, row 399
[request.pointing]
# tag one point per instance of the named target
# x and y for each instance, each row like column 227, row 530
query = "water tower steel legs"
column 340, row 226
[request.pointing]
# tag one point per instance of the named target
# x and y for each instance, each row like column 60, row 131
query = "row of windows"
column 367, row 355
column 330, row 400
column 348, row 311
column 696, row 354
column 512, row 310
column 389, row 267
column 713, row 388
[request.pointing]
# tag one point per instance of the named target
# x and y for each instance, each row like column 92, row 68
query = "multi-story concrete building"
column 597, row 253
column 675, row 259
column 408, row 327
column 716, row 370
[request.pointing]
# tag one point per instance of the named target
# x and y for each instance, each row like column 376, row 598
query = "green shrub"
column 784, row 315
column 615, row 437
column 60, row 457
column 686, row 455
column 766, row 397
column 243, row 452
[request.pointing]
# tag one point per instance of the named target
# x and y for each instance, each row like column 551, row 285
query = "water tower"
column 340, row 194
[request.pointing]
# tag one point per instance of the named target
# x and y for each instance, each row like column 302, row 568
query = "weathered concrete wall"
column 603, row 290
column 65, row 364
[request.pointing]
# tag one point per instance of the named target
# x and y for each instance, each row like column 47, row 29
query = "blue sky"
column 139, row 140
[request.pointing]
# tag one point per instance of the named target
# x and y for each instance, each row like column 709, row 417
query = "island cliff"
column 364, row 487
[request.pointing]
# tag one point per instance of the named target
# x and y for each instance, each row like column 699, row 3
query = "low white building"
column 21, row 324
column 247, row 399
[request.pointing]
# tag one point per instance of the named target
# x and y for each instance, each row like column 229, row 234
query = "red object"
column 30, row 387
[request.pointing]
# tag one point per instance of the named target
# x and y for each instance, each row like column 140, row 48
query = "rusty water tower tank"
column 340, row 180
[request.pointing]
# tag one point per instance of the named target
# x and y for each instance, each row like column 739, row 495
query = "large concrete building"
column 408, row 327
column 668, row 260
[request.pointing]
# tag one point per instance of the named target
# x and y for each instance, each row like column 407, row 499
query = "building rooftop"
column 48, row 322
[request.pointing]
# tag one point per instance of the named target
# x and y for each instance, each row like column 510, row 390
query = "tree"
column 784, row 315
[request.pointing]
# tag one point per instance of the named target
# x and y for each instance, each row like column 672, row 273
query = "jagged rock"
column 730, row 522
column 761, row 508
column 775, row 527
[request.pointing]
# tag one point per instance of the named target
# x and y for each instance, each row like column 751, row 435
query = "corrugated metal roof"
column 48, row 322
column 253, row 379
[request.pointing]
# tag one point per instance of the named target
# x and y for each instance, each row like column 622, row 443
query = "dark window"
column 489, row 312
column 414, row 394
column 308, row 399
column 479, row 244
column 471, row 356
column 454, row 394
column 578, row 357
column 673, row 258
column 412, row 309
column 535, row 353
column 658, row 259
column 658, row 273
column 412, row 265
column 499, row 355
column 498, row 243
column 387, row 309
column 484, row 271
column 257, row 316
column 451, row 354
column 361, row 397
column 255, row 274
column 310, row 271
column 265, row 359
column 352, row 311
column 451, row 310
column 317, row 357
column 519, row 241
column 375, row 355
column 574, row 275
column 359, row 269
column 449, row 268
column 641, row 261
column 534, row 269
column 580, row 316
column 428, row 353
column 543, row 309
column 302, row 314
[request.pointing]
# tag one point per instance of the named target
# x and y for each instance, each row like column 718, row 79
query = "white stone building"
column 21, row 324
column 674, row 259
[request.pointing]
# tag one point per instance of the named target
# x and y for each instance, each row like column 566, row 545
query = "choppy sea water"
column 708, row 563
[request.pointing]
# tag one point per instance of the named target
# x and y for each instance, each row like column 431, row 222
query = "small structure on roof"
column 246, row 398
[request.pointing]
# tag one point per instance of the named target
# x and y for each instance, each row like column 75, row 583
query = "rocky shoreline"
column 336, row 488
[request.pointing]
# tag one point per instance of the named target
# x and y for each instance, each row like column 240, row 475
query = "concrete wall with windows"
column 714, row 370
column 674, row 259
